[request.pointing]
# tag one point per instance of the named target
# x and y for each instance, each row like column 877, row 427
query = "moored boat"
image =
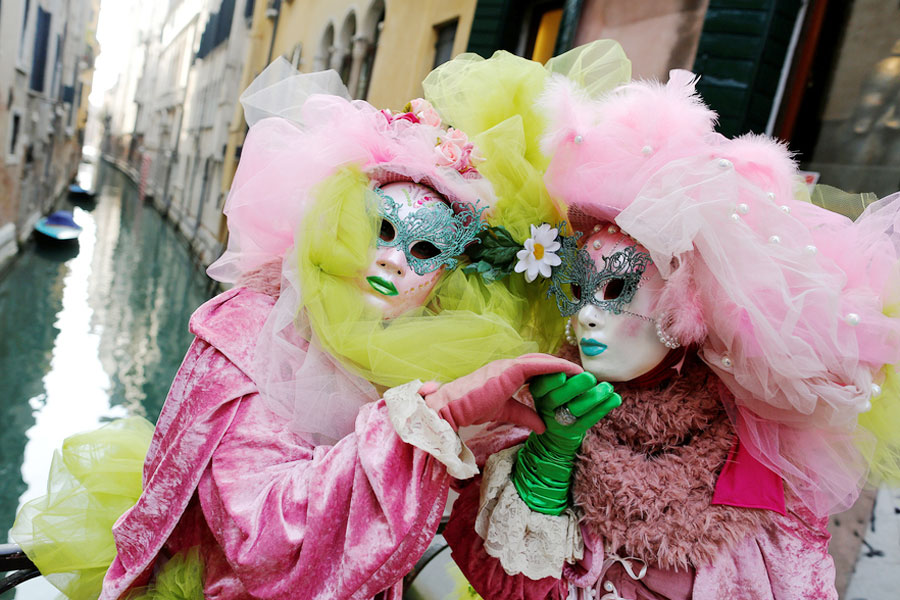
column 58, row 226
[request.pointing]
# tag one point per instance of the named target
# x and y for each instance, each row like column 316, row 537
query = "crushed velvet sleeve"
column 789, row 559
column 419, row 425
column 342, row 521
column 484, row 572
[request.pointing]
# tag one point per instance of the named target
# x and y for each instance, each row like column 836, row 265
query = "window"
column 14, row 133
column 39, row 59
column 24, row 28
column 345, row 44
column 296, row 53
column 325, row 49
column 443, row 47
column 372, row 27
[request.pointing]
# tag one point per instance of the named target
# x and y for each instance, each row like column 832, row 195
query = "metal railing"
column 18, row 567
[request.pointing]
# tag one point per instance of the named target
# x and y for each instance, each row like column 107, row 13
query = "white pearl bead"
column 735, row 217
column 578, row 139
column 647, row 150
column 852, row 319
column 724, row 163
column 771, row 195
column 876, row 390
column 786, row 209
column 596, row 228
column 811, row 249
column 613, row 229
column 743, row 208
column 597, row 244
column 865, row 407
column 774, row 240
column 726, row 362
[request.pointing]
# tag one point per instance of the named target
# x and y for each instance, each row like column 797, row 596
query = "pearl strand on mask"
column 666, row 339
column 570, row 335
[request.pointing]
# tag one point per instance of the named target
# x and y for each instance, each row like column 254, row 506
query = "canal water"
column 88, row 333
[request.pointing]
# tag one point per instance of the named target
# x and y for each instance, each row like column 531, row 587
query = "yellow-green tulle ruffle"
column 475, row 94
column 180, row 578
column 465, row 325
column 93, row 480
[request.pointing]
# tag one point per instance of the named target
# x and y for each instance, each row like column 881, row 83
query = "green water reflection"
column 90, row 332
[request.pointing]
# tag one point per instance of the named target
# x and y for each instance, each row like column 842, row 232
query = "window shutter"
column 740, row 57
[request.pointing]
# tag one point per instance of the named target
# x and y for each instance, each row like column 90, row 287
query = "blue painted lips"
column 592, row 347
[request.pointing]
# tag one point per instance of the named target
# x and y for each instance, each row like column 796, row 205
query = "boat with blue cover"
column 58, row 226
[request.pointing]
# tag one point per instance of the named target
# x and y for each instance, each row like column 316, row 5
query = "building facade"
column 191, row 57
column 761, row 66
column 382, row 49
column 47, row 50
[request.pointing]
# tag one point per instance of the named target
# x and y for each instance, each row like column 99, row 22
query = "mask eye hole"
column 576, row 291
column 424, row 250
column 613, row 288
column 387, row 233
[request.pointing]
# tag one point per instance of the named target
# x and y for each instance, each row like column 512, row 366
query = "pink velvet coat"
column 275, row 517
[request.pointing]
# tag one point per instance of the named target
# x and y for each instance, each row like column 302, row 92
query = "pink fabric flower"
column 407, row 117
column 475, row 156
column 458, row 136
column 417, row 105
column 449, row 154
column 429, row 116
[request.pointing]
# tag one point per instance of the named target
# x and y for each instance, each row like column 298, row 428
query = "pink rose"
column 418, row 105
column 406, row 117
column 429, row 116
column 458, row 136
column 475, row 156
column 449, row 153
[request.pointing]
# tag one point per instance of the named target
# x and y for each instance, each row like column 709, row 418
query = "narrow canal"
column 89, row 333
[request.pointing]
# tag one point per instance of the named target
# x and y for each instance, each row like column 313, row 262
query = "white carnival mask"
column 419, row 238
column 614, row 330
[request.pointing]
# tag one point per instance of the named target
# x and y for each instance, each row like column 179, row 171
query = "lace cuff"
column 525, row 541
column 420, row 426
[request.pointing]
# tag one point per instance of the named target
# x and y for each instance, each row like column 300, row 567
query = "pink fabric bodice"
column 277, row 517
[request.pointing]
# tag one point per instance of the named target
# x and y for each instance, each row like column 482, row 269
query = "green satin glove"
column 568, row 407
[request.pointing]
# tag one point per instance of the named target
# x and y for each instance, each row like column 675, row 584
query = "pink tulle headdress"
column 303, row 129
column 785, row 301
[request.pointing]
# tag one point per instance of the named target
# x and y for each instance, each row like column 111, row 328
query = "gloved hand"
column 486, row 394
column 569, row 406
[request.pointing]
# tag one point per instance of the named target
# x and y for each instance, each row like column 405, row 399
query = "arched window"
column 326, row 48
column 345, row 47
column 370, row 34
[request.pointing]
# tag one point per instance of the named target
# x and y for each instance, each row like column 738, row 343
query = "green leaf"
column 495, row 256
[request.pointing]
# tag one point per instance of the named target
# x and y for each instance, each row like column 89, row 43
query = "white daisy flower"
column 538, row 256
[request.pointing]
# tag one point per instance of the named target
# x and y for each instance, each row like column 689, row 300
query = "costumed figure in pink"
column 294, row 457
column 750, row 336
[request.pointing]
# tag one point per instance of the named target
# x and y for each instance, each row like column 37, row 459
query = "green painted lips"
column 382, row 286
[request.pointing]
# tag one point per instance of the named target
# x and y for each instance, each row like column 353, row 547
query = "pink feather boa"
column 647, row 474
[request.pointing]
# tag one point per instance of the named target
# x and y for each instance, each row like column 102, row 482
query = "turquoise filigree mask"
column 578, row 282
column 428, row 232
